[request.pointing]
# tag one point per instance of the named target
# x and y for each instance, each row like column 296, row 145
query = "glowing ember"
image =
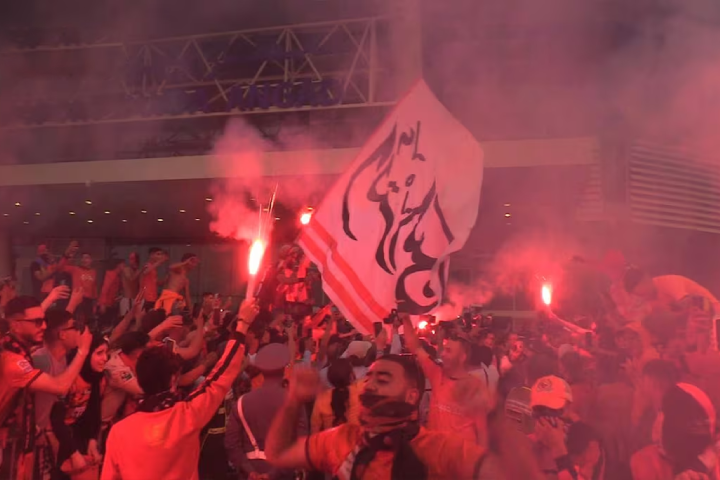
column 256, row 254
column 422, row 325
column 547, row 294
column 305, row 218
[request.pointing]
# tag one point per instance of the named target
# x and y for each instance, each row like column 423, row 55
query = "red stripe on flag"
column 348, row 271
column 315, row 251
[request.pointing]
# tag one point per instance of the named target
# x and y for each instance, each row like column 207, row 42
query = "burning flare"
column 256, row 254
column 546, row 294
column 305, row 216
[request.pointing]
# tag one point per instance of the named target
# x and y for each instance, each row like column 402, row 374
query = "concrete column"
column 6, row 260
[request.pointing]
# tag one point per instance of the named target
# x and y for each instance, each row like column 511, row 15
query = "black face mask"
column 382, row 406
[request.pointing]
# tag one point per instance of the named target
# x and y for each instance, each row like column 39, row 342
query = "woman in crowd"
column 340, row 404
column 76, row 418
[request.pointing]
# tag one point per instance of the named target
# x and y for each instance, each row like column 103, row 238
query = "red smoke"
column 251, row 167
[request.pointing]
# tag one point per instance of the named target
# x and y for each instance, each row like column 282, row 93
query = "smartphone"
column 170, row 344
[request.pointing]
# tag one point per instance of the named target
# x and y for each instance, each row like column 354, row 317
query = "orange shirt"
column 17, row 413
column 457, row 406
column 322, row 414
column 445, row 456
column 110, row 288
column 149, row 282
column 85, row 278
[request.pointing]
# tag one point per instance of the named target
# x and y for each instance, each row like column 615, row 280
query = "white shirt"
column 121, row 381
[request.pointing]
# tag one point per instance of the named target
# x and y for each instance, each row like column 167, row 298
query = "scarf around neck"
column 159, row 402
column 390, row 426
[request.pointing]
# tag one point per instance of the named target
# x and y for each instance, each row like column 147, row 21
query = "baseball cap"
column 551, row 392
column 357, row 349
column 272, row 357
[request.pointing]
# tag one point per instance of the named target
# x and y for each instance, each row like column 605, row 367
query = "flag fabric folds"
column 383, row 234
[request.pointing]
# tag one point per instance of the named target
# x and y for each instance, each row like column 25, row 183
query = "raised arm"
column 124, row 324
column 196, row 343
column 205, row 400
column 282, row 447
column 431, row 370
column 58, row 293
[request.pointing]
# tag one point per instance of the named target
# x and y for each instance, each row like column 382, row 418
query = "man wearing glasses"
column 20, row 380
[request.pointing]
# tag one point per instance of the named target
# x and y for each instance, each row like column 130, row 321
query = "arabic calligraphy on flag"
column 384, row 232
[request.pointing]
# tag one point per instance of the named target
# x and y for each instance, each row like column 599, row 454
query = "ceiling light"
column 188, row 245
column 208, row 199
column 26, row 223
column 37, row 214
column 107, row 212
column 506, row 205
column 197, row 219
column 160, row 220
column 182, row 210
column 17, row 204
column 277, row 219
column 6, row 214
column 88, row 202
column 507, row 215
column 143, row 212
column 90, row 221
column 124, row 221
column 71, row 213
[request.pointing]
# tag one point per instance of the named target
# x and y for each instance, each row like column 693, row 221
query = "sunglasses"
column 37, row 321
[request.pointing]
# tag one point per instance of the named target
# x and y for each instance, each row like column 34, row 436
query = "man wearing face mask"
column 388, row 443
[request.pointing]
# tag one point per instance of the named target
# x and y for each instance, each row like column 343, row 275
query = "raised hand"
column 249, row 310
column 304, row 383
column 59, row 293
column 85, row 341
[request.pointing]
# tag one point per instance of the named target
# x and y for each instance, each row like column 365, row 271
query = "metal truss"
column 321, row 65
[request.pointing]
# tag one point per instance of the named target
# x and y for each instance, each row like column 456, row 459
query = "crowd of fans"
column 136, row 382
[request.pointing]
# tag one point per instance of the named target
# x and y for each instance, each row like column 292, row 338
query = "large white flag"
column 384, row 232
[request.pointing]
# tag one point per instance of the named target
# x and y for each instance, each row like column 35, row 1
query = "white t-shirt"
column 121, row 381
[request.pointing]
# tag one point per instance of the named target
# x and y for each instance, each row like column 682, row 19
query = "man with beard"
column 20, row 380
column 388, row 444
